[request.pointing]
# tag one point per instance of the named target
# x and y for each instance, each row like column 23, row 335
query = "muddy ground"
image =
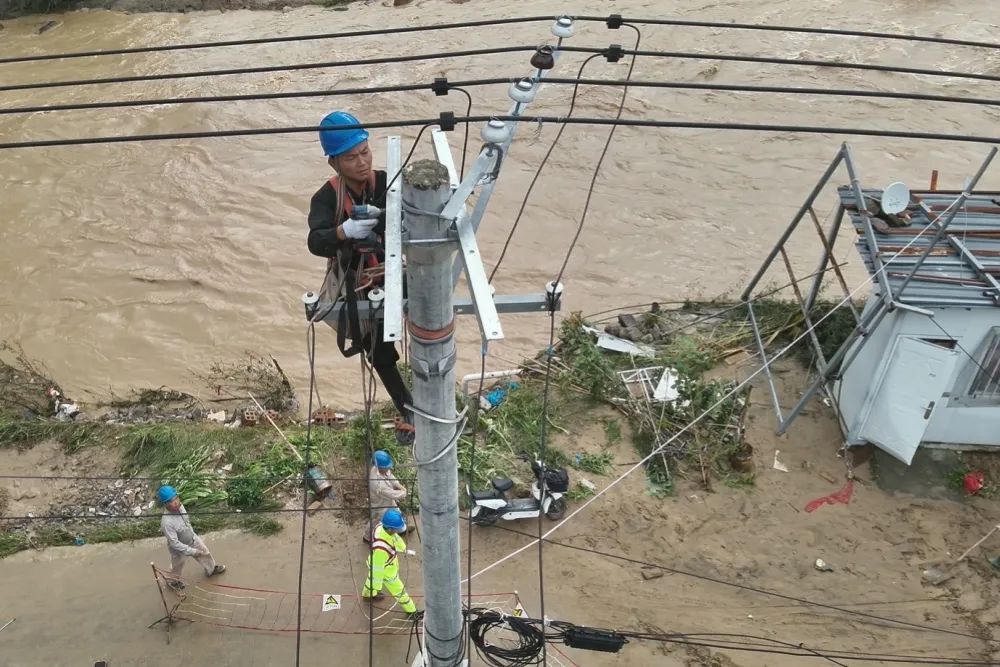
column 76, row 605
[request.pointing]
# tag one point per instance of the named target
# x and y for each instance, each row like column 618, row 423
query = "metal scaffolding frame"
column 887, row 298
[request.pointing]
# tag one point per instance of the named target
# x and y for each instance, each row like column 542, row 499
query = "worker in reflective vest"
column 383, row 561
column 354, row 246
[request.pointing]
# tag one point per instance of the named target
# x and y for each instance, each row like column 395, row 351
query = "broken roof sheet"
column 950, row 275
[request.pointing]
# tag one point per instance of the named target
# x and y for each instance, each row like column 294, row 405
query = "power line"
column 600, row 161
column 246, row 512
column 541, row 166
column 764, row 366
column 799, row 650
column 811, row 31
column 311, row 352
column 470, row 83
column 505, row 21
column 796, row 62
column 450, row 120
column 267, row 68
column 687, row 55
column 752, row 589
column 276, row 40
column 186, row 478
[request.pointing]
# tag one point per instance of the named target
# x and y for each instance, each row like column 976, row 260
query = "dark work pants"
column 384, row 357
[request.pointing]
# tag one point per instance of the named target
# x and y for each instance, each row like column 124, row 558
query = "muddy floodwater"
column 135, row 264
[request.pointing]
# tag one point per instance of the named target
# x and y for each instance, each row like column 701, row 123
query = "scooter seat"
column 489, row 494
column 502, row 485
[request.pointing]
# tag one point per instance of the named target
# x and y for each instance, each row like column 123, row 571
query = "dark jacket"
column 325, row 215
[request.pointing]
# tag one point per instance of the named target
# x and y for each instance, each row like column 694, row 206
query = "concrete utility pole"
column 431, row 324
column 438, row 229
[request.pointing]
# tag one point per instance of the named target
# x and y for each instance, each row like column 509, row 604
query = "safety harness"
column 361, row 266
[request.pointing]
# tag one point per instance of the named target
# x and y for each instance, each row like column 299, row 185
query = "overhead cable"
column 471, row 83
column 686, row 55
column 795, row 62
column 746, row 587
column 738, row 387
column 267, row 68
column 451, row 120
column 378, row 32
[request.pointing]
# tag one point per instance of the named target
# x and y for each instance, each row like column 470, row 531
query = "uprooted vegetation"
column 696, row 428
column 253, row 470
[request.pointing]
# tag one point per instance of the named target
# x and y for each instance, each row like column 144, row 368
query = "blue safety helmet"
column 382, row 459
column 393, row 520
column 166, row 494
column 336, row 141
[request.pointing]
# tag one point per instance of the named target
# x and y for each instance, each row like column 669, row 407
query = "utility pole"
column 439, row 236
column 431, row 323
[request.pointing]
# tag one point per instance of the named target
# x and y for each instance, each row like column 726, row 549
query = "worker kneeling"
column 383, row 561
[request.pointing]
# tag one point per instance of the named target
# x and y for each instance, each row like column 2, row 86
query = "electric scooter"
column 487, row 507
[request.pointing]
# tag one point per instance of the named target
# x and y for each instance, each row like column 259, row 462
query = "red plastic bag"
column 973, row 482
column 842, row 497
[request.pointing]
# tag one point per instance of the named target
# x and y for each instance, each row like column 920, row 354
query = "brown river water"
column 134, row 265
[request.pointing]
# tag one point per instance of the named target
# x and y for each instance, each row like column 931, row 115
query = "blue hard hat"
column 166, row 494
column 383, row 459
column 336, row 141
column 393, row 520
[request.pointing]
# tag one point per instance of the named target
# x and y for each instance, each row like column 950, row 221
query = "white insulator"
column 310, row 298
column 495, row 132
column 376, row 295
column 554, row 289
column 522, row 91
column 563, row 27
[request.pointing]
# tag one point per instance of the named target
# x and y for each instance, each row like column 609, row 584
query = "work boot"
column 219, row 569
column 414, row 615
column 375, row 598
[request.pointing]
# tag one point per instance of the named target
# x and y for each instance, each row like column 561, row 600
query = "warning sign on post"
column 330, row 602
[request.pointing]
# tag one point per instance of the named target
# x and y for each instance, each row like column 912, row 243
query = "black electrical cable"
column 530, row 639
column 761, row 591
column 688, row 125
column 268, row 68
column 975, row 361
column 541, row 165
column 93, row 517
column 472, row 480
column 504, row 21
column 368, row 386
column 305, row 492
column 542, row 481
column 377, row 32
column 455, row 85
column 840, row 654
column 173, row 478
column 687, row 55
column 600, row 161
column 804, row 30
column 465, row 142
column 794, row 62
column 804, row 652
column 711, row 316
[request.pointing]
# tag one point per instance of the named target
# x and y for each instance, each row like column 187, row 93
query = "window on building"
column 986, row 379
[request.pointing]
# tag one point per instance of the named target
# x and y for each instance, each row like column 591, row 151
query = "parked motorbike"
column 491, row 505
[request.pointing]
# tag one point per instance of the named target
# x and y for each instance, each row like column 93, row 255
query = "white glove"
column 411, row 552
column 358, row 229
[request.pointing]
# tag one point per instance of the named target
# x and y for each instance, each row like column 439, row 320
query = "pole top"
column 426, row 175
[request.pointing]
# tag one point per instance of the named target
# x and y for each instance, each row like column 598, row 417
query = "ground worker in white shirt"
column 182, row 541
